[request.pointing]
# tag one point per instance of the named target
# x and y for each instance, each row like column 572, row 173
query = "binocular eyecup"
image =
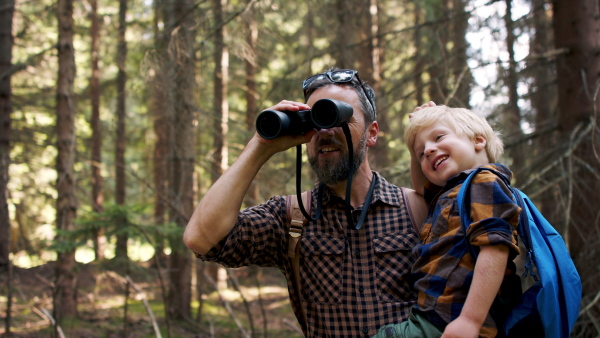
column 325, row 114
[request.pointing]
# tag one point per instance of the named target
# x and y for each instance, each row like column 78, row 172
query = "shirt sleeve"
column 258, row 238
column 494, row 213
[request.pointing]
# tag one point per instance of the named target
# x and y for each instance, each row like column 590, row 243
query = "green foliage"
column 118, row 220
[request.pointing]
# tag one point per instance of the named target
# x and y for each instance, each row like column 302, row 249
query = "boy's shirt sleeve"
column 494, row 213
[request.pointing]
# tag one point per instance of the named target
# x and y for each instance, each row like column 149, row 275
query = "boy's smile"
column 443, row 153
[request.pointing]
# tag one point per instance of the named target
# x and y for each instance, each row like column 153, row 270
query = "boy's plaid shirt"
column 444, row 267
column 353, row 281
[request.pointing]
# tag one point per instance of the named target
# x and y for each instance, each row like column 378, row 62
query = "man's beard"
column 334, row 170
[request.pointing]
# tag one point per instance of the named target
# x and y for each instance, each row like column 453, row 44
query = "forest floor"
column 101, row 311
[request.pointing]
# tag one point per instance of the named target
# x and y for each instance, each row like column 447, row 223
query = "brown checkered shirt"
column 353, row 281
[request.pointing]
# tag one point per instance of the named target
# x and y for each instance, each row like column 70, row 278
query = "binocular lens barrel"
column 325, row 113
column 271, row 124
column 328, row 113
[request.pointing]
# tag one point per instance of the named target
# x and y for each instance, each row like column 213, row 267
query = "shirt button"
column 365, row 330
column 357, row 253
column 361, row 289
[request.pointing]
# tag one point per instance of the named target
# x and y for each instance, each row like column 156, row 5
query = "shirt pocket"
column 394, row 263
column 321, row 268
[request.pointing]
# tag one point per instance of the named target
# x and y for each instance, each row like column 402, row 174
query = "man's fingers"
column 426, row 105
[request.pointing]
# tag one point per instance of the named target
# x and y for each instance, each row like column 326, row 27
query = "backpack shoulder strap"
column 417, row 207
column 296, row 221
column 464, row 202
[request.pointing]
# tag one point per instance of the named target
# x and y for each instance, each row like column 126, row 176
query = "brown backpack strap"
column 296, row 221
column 417, row 208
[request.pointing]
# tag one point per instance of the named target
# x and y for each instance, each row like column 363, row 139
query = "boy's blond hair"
column 462, row 121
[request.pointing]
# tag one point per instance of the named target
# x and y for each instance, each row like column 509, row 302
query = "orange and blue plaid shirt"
column 352, row 281
column 444, row 267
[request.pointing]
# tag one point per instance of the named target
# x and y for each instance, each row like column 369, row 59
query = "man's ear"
column 372, row 132
column 480, row 142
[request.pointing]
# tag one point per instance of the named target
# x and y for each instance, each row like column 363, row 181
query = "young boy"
column 456, row 290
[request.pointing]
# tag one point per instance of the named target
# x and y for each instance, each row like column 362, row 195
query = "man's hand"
column 426, row 105
column 285, row 142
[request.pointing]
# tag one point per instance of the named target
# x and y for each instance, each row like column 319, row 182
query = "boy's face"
column 443, row 153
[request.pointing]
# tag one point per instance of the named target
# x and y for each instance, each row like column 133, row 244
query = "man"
column 353, row 279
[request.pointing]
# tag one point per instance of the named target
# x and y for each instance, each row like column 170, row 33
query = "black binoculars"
column 325, row 113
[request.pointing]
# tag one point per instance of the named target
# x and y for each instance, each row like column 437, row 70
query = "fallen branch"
column 236, row 286
column 40, row 314
column 589, row 306
column 227, row 306
column 160, row 279
column 292, row 325
column 575, row 142
column 53, row 322
column 255, row 272
column 9, row 296
column 127, row 281
column 146, row 305
column 44, row 280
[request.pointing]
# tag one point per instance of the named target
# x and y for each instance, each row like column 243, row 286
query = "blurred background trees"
column 117, row 116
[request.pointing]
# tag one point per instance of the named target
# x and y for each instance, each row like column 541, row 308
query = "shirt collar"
column 432, row 190
column 384, row 192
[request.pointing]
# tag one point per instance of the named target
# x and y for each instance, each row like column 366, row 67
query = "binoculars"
column 325, row 113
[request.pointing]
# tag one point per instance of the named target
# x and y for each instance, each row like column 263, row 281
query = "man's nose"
column 326, row 132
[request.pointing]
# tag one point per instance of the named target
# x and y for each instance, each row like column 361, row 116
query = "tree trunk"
column 372, row 74
column 6, row 42
column 221, row 79
column 158, row 108
column 181, row 184
column 345, row 25
column 121, row 248
column 65, row 296
column 419, row 57
column 96, row 142
column 251, row 90
column 543, row 102
column 221, row 106
column 462, row 77
column 512, row 112
column 438, row 56
column 576, row 28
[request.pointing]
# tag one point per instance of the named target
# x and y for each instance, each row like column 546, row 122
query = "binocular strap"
column 348, row 208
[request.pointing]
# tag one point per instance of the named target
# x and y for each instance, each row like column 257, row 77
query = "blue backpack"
column 551, row 305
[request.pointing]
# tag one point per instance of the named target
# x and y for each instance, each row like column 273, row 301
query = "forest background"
column 117, row 116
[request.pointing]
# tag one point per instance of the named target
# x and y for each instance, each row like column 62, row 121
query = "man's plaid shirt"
column 352, row 281
column 444, row 268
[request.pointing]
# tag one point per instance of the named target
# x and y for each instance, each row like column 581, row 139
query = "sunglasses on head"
column 337, row 76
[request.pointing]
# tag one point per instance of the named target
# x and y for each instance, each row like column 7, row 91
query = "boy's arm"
column 416, row 175
column 487, row 278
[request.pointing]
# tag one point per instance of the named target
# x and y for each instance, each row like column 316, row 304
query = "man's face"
column 327, row 150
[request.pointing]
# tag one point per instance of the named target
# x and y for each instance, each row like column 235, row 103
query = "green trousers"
column 416, row 326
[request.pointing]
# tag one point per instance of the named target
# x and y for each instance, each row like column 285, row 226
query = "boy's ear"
column 480, row 142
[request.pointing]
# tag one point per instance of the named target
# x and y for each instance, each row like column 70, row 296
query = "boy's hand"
column 428, row 104
column 461, row 327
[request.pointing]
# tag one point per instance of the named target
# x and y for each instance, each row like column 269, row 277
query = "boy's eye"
column 437, row 138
